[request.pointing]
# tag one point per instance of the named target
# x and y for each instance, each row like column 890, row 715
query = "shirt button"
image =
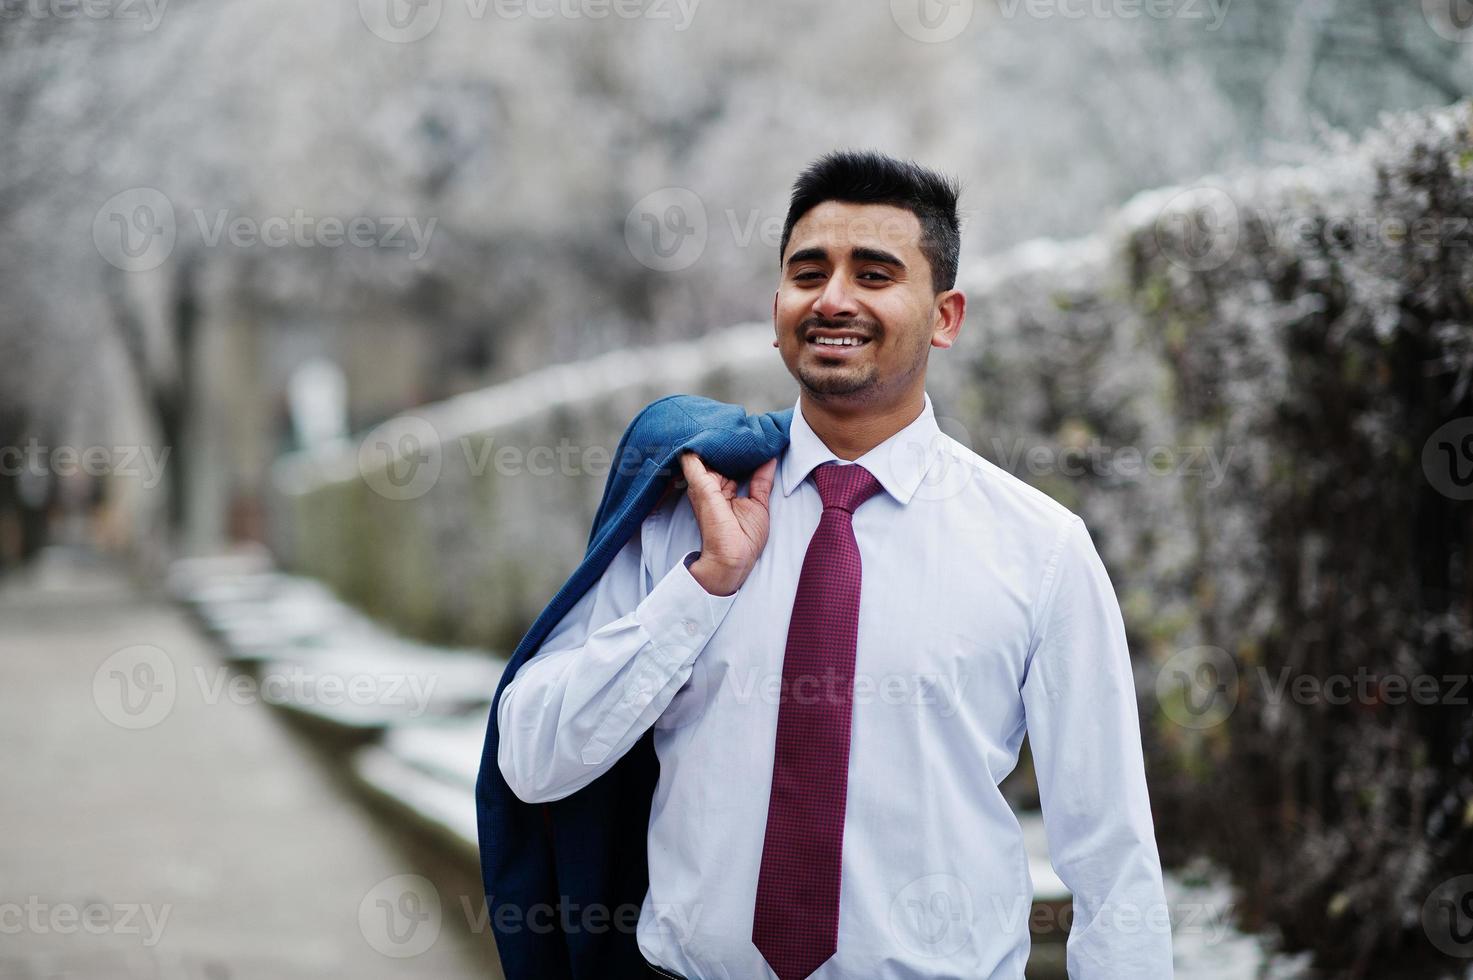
column 690, row 628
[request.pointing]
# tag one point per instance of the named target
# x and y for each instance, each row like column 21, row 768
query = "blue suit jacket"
column 565, row 880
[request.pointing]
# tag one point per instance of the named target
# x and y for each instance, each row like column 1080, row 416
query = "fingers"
column 697, row 476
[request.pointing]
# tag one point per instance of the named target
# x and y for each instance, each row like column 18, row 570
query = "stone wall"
column 458, row 522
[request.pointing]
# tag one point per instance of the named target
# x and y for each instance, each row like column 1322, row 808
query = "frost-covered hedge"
column 1295, row 352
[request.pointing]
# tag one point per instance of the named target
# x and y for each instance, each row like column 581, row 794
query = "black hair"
column 869, row 177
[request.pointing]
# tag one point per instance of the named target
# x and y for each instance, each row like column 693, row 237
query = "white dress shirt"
column 984, row 608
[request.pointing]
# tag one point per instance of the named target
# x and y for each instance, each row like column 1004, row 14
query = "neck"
column 850, row 431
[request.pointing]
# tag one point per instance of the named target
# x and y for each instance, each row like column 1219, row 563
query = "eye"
column 808, row 276
column 878, row 276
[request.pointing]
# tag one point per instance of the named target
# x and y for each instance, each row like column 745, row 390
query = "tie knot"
column 845, row 487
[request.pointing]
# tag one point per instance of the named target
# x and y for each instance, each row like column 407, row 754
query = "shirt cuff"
column 679, row 615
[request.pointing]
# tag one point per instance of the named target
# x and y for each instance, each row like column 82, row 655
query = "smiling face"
column 855, row 274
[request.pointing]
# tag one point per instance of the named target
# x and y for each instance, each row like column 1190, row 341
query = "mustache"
column 866, row 329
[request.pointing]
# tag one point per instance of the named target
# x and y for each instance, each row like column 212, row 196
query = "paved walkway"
column 152, row 826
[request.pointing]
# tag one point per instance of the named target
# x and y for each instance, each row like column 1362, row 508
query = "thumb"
column 760, row 487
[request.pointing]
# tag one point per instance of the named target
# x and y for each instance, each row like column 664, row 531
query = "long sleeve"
column 603, row 675
column 1080, row 701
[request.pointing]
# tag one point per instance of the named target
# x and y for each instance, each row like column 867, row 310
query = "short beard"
column 834, row 384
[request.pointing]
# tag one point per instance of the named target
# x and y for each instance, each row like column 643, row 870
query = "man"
column 840, row 658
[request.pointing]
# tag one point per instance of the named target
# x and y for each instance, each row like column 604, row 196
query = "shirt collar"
column 900, row 462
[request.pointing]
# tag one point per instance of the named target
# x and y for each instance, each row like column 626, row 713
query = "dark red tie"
column 796, row 921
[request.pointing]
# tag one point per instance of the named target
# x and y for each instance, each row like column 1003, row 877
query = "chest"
column 944, row 612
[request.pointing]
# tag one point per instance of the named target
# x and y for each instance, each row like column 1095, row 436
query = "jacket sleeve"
column 604, row 674
column 1080, row 700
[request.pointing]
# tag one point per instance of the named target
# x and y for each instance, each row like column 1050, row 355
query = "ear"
column 951, row 310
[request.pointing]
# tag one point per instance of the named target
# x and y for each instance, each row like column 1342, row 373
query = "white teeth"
column 838, row 341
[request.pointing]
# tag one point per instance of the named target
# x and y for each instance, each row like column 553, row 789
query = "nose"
column 836, row 300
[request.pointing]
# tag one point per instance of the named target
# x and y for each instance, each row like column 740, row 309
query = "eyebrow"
column 859, row 253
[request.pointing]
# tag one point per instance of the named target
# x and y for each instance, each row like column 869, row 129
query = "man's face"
column 856, row 270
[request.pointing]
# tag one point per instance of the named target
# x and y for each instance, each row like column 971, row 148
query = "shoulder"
column 983, row 487
column 1030, row 533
